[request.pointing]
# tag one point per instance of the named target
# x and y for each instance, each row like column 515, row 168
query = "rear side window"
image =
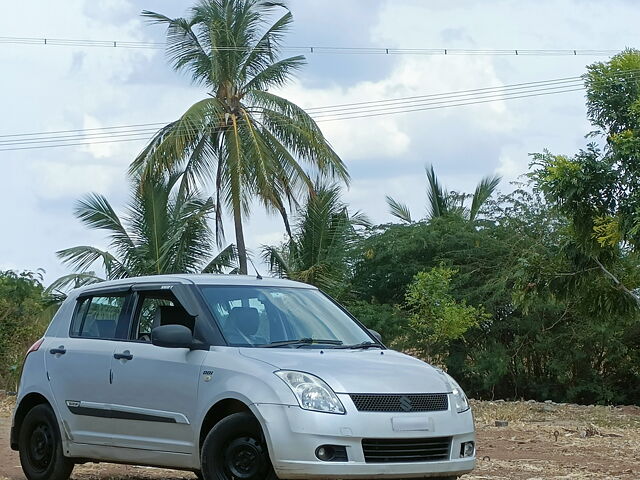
column 98, row 317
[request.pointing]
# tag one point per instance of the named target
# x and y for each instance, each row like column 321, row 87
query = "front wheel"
column 235, row 449
column 40, row 446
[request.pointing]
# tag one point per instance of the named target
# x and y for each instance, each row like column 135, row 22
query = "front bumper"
column 294, row 434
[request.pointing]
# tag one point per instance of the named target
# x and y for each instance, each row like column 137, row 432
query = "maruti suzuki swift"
column 232, row 377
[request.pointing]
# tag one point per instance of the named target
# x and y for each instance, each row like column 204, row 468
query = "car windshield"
column 281, row 317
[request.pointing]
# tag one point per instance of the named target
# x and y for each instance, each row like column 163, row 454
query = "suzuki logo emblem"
column 405, row 403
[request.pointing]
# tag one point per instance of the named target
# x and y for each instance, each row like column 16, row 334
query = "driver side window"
column 149, row 310
column 157, row 308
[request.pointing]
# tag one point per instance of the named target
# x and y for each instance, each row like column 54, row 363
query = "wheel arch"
column 26, row 404
column 220, row 410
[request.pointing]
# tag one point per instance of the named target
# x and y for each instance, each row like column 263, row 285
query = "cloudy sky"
column 50, row 88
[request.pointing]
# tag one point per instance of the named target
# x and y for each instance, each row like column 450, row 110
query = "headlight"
column 460, row 399
column 312, row 393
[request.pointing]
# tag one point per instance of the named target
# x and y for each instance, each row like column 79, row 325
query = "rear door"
column 78, row 365
column 154, row 390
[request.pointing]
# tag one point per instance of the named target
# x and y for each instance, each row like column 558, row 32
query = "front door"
column 78, row 367
column 154, row 389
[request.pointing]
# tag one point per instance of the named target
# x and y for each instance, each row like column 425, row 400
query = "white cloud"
column 56, row 88
column 57, row 179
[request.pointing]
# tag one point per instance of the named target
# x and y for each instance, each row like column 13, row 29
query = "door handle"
column 58, row 351
column 123, row 356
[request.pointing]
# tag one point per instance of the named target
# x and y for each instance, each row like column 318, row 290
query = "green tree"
column 317, row 251
column 598, row 189
column 166, row 230
column 248, row 140
column 443, row 203
column 435, row 316
column 24, row 315
column 556, row 330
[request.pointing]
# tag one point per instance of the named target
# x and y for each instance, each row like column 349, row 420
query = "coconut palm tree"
column 250, row 142
column 165, row 230
column 443, row 203
column 317, row 251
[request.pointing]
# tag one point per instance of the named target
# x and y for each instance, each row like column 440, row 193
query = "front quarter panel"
column 227, row 374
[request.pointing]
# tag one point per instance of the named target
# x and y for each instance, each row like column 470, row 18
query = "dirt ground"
column 541, row 441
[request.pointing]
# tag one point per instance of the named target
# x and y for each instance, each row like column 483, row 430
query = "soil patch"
column 541, row 441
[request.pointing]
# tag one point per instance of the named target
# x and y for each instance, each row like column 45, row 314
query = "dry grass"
column 6, row 407
column 556, row 441
column 526, row 413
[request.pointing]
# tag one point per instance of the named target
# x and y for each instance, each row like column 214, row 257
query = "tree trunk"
column 242, row 249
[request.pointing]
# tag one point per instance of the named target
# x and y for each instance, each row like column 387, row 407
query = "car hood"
column 357, row 371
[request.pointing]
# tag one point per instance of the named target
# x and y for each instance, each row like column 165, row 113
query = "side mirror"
column 172, row 336
column 376, row 335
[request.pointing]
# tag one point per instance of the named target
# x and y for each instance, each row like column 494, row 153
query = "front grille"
column 381, row 402
column 381, row 450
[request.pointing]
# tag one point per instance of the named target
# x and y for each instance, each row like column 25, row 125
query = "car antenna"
column 258, row 276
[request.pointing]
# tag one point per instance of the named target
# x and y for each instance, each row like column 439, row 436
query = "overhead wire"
column 310, row 49
column 329, row 113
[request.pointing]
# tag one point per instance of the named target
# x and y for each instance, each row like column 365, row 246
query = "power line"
column 328, row 113
column 318, row 112
column 133, row 136
column 444, row 100
column 43, row 41
column 422, row 109
column 79, row 130
column 471, row 92
column 336, row 107
column 145, row 137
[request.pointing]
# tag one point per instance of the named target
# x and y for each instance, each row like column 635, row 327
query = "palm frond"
column 188, row 244
column 191, row 137
column 299, row 133
column 59, row 286
column 436, row 195
column 399, row 210
column 275, row 74
column 266, row 48
column 276, row 260
column 483, row 192
column 184, row 50
column 226, row 259
column 83, row 257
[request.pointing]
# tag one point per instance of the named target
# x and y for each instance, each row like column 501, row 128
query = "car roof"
column 195, row 279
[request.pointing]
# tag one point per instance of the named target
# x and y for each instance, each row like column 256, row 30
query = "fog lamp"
column 332, row 453
column 325, row 453
column 467, row 449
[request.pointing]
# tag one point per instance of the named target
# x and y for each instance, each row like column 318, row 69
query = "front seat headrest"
column 245, row 319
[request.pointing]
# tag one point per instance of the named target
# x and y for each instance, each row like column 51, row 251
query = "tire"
column 40, row 446
column 235, row 449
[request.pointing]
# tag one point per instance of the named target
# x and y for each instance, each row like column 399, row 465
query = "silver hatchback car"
column 232, row 377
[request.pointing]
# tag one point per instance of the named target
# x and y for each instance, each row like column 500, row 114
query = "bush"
column 24, row 316
column 388, row 320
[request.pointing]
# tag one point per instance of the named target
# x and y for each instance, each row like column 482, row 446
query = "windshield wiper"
column 300, row 341
column 363, row 345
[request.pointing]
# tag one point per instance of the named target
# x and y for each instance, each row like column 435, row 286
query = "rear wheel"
column 235, row 449
column 40, row 446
